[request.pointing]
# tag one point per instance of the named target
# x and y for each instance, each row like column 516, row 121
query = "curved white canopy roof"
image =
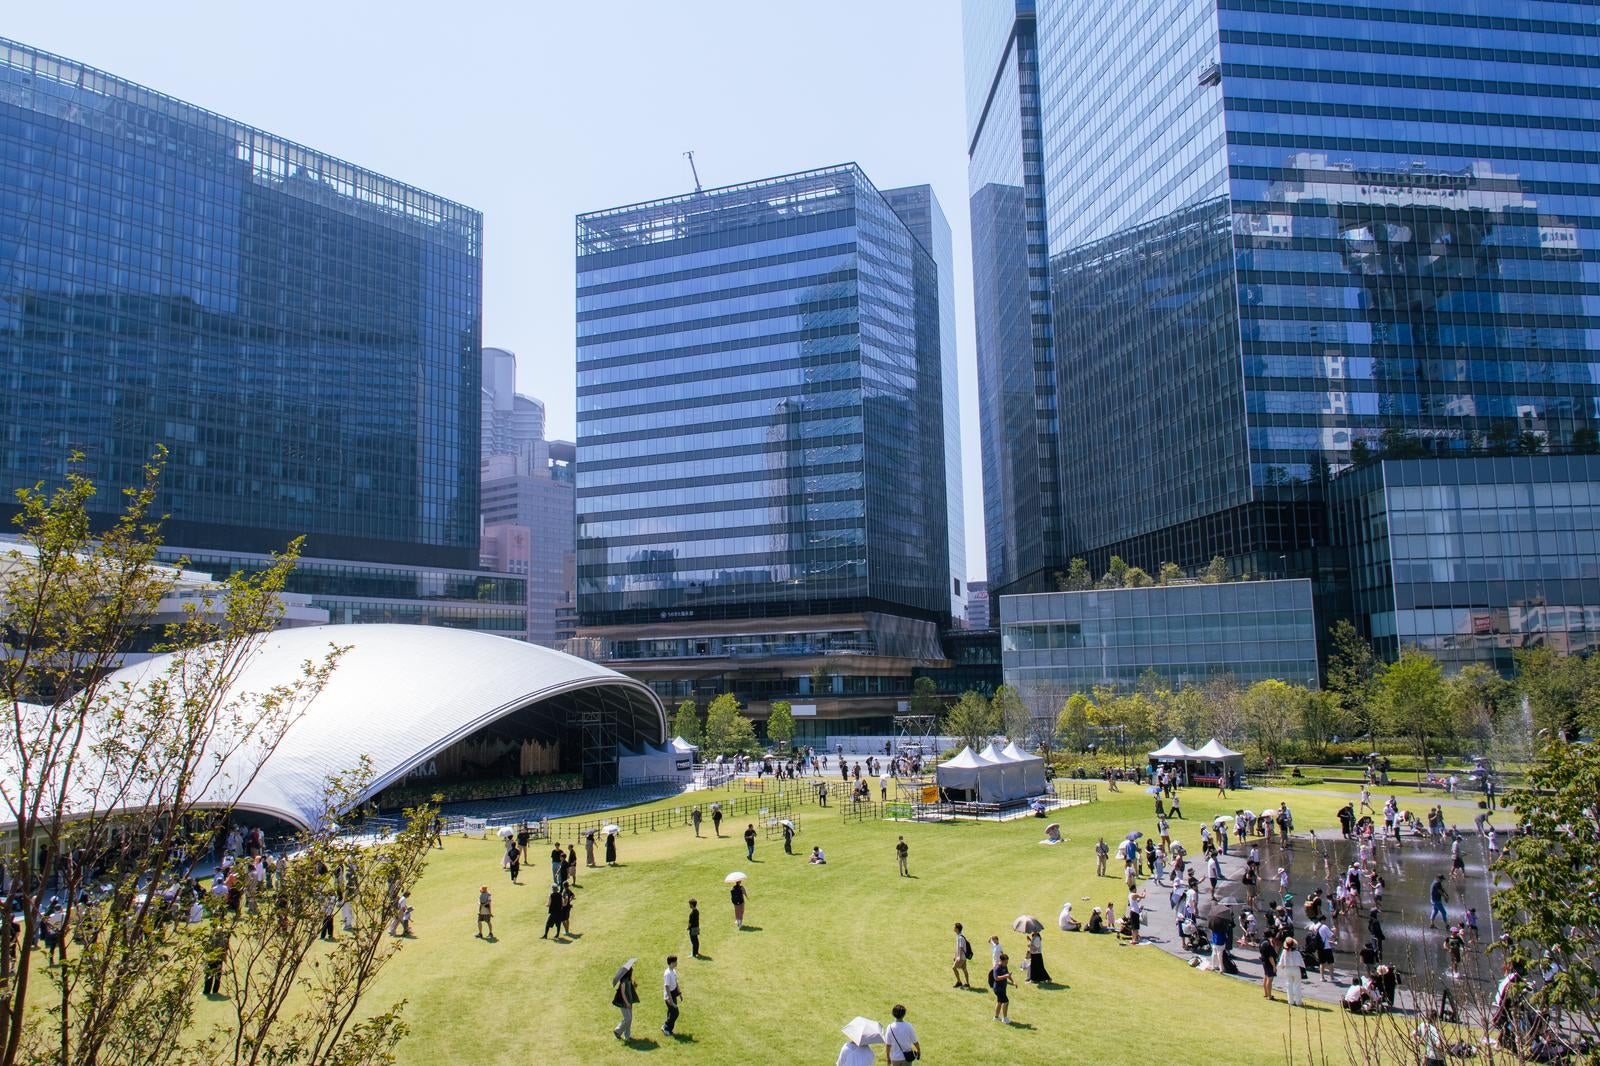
column 400, row 695
column 1173, row 749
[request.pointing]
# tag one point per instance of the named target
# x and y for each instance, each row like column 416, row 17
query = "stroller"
column 1194, row 938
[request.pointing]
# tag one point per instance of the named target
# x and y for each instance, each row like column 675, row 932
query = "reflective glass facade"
column 1057, row 643
column 375, row 592
column 760, row 407
column 1022, row 515
column 302, row 334
column 1471, row 559
column 1281, row 231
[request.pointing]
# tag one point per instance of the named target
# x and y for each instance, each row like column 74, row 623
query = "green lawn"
column 823, row 944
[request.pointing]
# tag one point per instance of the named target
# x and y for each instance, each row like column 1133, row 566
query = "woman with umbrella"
column 611, row 832
column 626, row 995
column 1030, row 926
column 738, row 894
column 860, row 1035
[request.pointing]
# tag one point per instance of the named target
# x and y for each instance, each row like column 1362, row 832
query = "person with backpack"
column 962, row 956
column 901, row 1038
column 1000, row 980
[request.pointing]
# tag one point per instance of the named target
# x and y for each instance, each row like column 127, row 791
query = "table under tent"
column 1218, row 763
column 1176, row 756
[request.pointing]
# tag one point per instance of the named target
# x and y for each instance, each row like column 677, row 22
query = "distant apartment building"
column 766, row 462
column 978, row 605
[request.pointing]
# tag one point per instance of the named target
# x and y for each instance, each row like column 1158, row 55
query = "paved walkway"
column 1401, row 795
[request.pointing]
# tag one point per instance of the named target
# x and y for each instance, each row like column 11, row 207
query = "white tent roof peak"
column 1174, row 749
column 1215, row 750
column 1016, row 754
column 994, row 753
column 965, row 760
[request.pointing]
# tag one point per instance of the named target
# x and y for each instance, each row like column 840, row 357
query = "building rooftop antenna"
column 690, row 157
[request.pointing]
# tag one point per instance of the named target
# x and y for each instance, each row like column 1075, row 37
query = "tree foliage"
column 1561, row 690
column 973, row 719
column 1116, row 574
column 1272, row 710
column 104, row 782
column 1076, row 579
column 1216, row 571
column 1352, row 674
column 1322, row 718
column 925, row 697
column 728, row 731
column 1411, row 699
column 686, row 722
column 1550, row 894
column 1171, row 574
column 1012, row 713
column 780, row 723
column 1072, row 724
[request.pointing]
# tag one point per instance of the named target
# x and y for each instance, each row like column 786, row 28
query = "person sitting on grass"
column 817, row 858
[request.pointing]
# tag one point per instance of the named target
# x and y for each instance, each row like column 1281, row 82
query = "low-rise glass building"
column 1057, row 643
column 1472, row 558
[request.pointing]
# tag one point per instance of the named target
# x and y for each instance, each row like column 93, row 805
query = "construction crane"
column 690, row 157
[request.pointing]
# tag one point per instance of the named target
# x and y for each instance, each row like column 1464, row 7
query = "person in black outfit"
column 554, row 919
column 694, row 928
column 611, row 849
column 750, row 841
column 716, row 820
column 788, row 840
column 1375, row 930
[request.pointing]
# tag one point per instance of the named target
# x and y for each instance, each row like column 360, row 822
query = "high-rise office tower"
column 1286, row 237
column 302, row 335
column 1018, row 417
column 762, row 466
column 527, row 501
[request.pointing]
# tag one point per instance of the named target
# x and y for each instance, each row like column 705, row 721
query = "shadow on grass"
column 702, row 957
column 1021, row 1025
column 747, row 928
column 642, row 1043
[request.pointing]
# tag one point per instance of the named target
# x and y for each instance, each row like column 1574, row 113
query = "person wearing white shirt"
column 900, row 1037
column 670, row 993
column 854, row 1054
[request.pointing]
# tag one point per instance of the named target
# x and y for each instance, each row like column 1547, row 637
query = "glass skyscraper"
column 1022, row 518
column 302, row 335
column 764, row 386
column 1285, row 236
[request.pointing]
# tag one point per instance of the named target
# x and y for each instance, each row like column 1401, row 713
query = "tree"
column 1012, row 714
column 1480, row 702
column 1586, row 441
column 686, row 722
column 925, row 697
column 1411, row 699
column 1216, row 571
column 1530, row 442
column 1352, row 674
column 1560, row 691
column 1171, row 574
column 1360, row 453
column 720, row 716
column 1115, row 575
column 742, row 736
column 1136, row 578
column 1396, row 443
column 1271, row 711
column 1076, row 579
column 780, row 723
column 1224, row 701
column 1321, row 719
column 104, row 783
column 1072, row 724
column 1550, row 896
column 972, row 718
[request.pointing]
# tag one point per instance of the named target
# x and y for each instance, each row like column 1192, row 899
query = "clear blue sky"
column 533, row 112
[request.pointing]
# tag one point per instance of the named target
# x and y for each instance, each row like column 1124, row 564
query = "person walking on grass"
column 716, row 820
column 626, row 995
column 901, row 1038
column 552, row 913
column 738, row 894
column 1102, row 851
column 485, row 911
column 694, row 819
column 694, row 928
column 514, row 861
column 1000, row 980
column 963, row 953
column 750, row 841
column 671, row 993
column 588, row 848
column 1176, row 810
column 901, row 850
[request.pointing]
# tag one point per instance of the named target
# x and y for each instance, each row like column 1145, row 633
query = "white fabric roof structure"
column 1215, row 752
column 679, row 744
column 968, row 772
column 400, row 695
column 1173, row 749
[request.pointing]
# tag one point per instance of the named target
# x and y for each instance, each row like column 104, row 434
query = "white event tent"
column 1032, row 769
column 1225, row 759
column 971, row 773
